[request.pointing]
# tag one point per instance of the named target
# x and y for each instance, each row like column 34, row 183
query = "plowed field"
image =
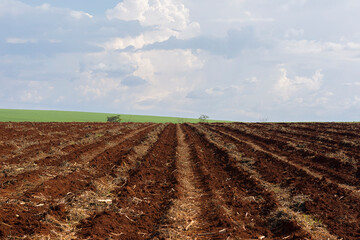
column 180, row 181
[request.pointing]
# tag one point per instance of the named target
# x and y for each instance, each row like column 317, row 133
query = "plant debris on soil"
column 180, row 181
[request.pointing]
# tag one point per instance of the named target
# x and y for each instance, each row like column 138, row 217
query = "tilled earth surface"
column 180, row 181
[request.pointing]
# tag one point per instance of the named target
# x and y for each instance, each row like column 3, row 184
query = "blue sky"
column 244, row 60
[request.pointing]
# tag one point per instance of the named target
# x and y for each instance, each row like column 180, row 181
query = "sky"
column 241, row 60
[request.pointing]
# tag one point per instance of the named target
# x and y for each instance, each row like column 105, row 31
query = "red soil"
column 184, row 181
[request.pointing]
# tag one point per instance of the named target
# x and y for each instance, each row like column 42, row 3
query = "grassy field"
column 14, row 115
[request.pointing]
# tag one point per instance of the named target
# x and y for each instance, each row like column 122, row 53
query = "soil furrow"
column 102, row 195
column 144, row 199
column 330, row 203
column 186, row 218
column 50, row 144
column 308, row 159
column 100, row 161
column 51, row 196
column 319, row 142
column 321, row 138
column 349, row 130
column 30, row 176
column 186, row 181
column 256, row 210
column 287, row 213
column 329, row 152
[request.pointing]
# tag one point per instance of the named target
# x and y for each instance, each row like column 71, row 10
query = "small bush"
column 114, row 118
column 203, row 118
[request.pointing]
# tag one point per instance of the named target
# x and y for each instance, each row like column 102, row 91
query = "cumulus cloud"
column 97, row 86
column 146, row 80
column 166, row 18
column 163, row 14
column 286, row 87
column 230, row 46
column 150, row 56
column 138, row 41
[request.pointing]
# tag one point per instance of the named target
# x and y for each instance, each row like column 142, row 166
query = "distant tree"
column 203, row 118
column 114, row 118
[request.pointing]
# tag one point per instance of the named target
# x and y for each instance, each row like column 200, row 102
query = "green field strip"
column 16, row 115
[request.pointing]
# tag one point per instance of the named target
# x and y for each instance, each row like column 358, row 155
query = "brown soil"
column 145, row 197
column 184, row 217
column 184, row 181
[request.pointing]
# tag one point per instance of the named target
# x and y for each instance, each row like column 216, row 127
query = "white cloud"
column 289, row 4
column 79, row 15
column 13, row 7
column 356, row 100
column 31, row 96
column 168, row 74
column 18, row 8
column 352, row 102
column 353, row 84
column 286, row 87
column 165, row 14
column 168, row 18
column 140, row 41
column 241, row 43
column 36, row 92
column 324, row 53
column 310, row 46
column 293, row 32
column 160, row 67
column 60, row 99
column 129, row 10
column 252, row 80
column 246, row 18
column 20, row 40
column 97, row 86
column 353, row 45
